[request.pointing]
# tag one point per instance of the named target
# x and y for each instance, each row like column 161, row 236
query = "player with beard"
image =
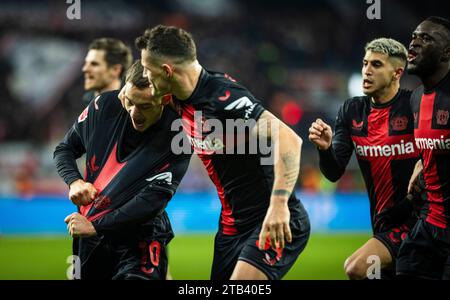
column 263, row 227
column 426, row 251
column 379, row 128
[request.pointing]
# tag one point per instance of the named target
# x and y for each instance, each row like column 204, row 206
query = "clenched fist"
column 320, row 134
column 81, row 192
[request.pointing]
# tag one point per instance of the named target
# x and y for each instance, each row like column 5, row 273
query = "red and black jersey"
column 431, row 110
column 382, row 138
column 135, row 173
column 243, row 183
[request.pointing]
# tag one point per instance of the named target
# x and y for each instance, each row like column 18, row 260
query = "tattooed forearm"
column 289, row 160
column 291, row 177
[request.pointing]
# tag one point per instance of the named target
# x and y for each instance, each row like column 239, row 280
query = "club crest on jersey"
column 356, row 125
column 83, row 115
column 399, row 123
column 442, row 117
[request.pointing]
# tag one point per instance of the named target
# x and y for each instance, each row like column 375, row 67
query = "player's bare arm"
column 320, row 134
column 81, row 192
column 287, row 146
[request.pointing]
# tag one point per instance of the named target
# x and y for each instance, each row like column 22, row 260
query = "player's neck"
column 114, row 85
column 429, row 82
column 386, row 95
column 187, row 81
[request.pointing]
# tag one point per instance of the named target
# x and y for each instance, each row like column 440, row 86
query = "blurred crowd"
column 297, row 57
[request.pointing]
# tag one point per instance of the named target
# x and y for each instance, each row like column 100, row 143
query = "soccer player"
column 379, row 128
column 263, row 227
column 131, row 174
column 105, row 66
column 426, row 251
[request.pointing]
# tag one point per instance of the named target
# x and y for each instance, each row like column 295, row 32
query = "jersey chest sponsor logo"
column 102, row 202
column 433, row 143
column 442, row 117
column 401, row 148
column 207, row 144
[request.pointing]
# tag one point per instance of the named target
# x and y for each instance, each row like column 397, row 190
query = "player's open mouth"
column 367, row 83
column 412, row 55
column 139, row 123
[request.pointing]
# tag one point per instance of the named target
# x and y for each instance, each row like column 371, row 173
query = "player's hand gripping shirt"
column 135, row 174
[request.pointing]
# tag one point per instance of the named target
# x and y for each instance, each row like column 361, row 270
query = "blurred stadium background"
column 301, row 58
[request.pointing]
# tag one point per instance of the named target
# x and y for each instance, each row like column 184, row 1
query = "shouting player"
column 379, row 128
column 263, row 227
column 426, row 251
column 131, row 174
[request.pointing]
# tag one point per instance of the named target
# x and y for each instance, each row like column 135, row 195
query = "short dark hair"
column 441, row 21
column 168, row 41
column 135, row 76
column 390, row 47
column 116, row 52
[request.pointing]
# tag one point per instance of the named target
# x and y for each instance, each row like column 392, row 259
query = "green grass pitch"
column 190, row 256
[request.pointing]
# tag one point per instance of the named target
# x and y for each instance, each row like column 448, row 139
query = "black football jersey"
column 135, row 174
column 431, row 111
column 382, row 138
column 243, row 182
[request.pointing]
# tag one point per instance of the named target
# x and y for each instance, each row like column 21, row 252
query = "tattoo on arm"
column 281, row 193
column 291, row 166
column 291, row 177
column 289, row 161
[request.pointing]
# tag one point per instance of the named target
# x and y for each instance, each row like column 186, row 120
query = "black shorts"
column 425, row 253
column 228, row 249
column 392, row 240
column 135, row 254
column 393, row 237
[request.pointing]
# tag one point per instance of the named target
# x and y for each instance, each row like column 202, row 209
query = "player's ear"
column 168, row 70
column 446, row 56
column 398, row 73
column 116, row 69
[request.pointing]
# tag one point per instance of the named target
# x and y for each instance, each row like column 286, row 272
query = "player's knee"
column 355, row 268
